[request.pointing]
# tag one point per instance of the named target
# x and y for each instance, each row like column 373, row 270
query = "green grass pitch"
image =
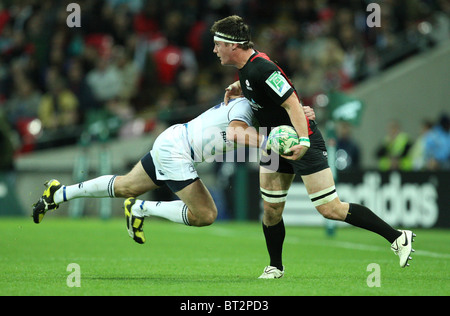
column 224, row 259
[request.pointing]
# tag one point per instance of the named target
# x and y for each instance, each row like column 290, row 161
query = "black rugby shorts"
column 314, row 160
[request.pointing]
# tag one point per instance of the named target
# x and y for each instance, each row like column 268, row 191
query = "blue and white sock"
column 175, row 211
column 100, row 187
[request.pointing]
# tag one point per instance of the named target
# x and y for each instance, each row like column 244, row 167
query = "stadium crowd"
column 150, row 61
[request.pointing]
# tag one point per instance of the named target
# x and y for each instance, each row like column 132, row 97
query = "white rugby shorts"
column 172, row 156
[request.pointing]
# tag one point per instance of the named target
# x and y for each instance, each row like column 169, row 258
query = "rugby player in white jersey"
column 171, row 162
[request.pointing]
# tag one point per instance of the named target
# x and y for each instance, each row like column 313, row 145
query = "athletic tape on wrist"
column 304, row 141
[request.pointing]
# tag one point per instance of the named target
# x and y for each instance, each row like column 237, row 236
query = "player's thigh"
column 318, row 181
column 274, row 181
column 134, row 183
column 199, row 201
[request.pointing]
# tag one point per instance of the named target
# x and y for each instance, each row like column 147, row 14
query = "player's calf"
column 124, row 187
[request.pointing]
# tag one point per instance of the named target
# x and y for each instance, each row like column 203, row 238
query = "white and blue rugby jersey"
column 207, row 132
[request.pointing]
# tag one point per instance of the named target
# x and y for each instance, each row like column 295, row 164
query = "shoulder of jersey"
column 261, row 61
column 241, row 102
column 261, row 65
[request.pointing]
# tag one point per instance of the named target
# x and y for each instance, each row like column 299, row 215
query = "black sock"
column 361, row 216
column 274, row 240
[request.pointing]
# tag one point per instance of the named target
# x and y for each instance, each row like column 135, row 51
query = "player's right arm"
column 298, row 119
column 243, row 134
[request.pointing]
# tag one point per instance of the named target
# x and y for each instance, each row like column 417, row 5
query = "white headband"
column 227, row 39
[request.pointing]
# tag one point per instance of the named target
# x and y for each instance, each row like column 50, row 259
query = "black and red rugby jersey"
column 266, row 86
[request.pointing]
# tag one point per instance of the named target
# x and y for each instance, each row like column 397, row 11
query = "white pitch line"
column 224, row 232
column 426, row 253
column 364, row 247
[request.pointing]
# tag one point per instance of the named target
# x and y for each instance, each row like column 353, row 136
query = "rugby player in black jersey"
column 275, row 102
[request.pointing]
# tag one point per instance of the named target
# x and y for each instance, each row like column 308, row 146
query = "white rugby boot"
column 271, row 272
column 403, row 248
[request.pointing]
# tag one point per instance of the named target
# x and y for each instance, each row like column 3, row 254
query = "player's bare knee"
column 326, row 213
column 210, row 218
column 330, row 212
column 328, row 204
column 204, row 218
column 272, row 213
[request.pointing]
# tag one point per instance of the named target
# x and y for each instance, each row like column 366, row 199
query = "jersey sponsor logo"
column 255, row 106
column 224, row 137
column 278, row 83
column 247, row 85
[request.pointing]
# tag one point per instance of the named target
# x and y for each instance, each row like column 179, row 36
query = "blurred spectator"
column 23, row 103
column 417, row 151
column 79, row 87
column 441, row 21
column 305, row 12
column 187, row 88
column 146, row 22
column 169, row 60
column 334, row 77
column 174, row 28
column 354, row 61
column 104, row 80
column 3, row 80
column 59, row 106
column 39, row 37
column 437, row 145
column 133, row 6
column 347, row 150
column 309, row 79
column 129, row 53
column 121, row 26
column 393, row 153
column 7, row 152
column 128, row 72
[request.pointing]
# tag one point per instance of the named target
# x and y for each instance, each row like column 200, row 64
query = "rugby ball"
column 281, row 138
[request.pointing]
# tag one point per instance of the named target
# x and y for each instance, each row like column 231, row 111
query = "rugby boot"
column 271, row 272
column 46, row 202
column 403, row 248
column 135, row 223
